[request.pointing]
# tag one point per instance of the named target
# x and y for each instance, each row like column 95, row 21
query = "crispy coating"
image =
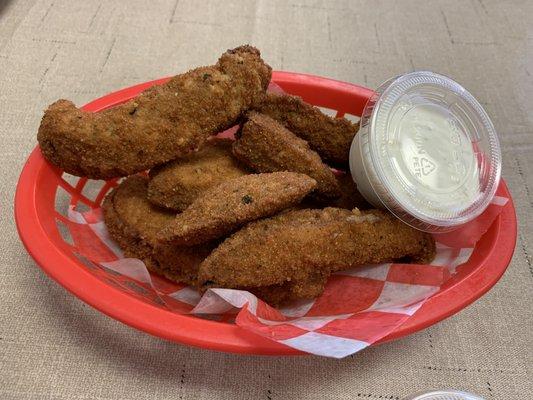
column 161, row 124
column 349, row 199
column 226, row 207
column 133, row 223
column 267, row 146
column 128, row 206
column 297, row 245
column 350, row 196
column 278, row 295
column 329, row 137
column 177, row 184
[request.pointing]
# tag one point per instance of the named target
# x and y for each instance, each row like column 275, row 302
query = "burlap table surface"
column 53, row 346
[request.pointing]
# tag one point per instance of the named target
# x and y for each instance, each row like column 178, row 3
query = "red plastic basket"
column 37, row 216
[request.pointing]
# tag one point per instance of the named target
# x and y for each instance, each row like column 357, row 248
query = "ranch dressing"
column 427, row 151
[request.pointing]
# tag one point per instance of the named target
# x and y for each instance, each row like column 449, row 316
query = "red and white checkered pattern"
column 358, row 307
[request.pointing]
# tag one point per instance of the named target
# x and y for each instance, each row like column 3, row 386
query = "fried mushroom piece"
column 267, row 146
column 177, row 184
column 161, row 124
column 224, row 208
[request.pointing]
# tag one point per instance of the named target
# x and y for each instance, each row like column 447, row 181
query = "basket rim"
column 219, row 336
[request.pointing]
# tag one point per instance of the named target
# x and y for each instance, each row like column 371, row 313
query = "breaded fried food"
column 267, row 146
column 133, row 222
column 224, row 208
column 278, row 295
column 350, row 196
column 161, row 124
column 330, row 137
column 177, row 184
column 297, row 245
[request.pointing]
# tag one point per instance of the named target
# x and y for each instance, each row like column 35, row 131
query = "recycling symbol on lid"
column 427, row 166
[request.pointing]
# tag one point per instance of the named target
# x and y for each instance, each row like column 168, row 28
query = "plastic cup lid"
column 434, row 149
column 443, row 395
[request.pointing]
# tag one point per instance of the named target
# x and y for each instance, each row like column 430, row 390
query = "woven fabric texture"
column 53, row 346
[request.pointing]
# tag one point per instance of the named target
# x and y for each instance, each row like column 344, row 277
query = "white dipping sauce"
column 433, row 149
column 426, row 151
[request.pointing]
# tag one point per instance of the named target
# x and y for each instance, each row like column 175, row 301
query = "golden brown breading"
column 267, row 146
column 349, row 199
column 161, row 124
column 350, row 196
column 226, row 207
column 132, row 214
column 133, row 223
column 329, row 137
column 296, row 245
column 177, row 184
column 278, row 295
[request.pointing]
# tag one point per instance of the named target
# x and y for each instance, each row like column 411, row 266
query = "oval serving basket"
column 38, row 219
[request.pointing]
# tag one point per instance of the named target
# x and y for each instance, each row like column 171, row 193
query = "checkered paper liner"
column 358, row 307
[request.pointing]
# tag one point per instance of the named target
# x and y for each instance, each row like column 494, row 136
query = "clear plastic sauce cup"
column 427, row 151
